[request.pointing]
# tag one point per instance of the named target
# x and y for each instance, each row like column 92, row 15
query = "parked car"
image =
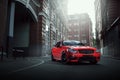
column 74, row 51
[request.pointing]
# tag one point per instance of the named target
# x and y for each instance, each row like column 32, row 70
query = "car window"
column 73, row 43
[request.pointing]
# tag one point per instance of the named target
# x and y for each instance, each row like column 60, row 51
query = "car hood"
column 81, row 47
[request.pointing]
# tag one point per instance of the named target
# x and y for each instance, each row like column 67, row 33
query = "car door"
column 57, row 51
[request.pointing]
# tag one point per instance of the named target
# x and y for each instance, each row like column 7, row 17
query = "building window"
column 69, row 30
column 83, row 35
column 69, row 35
column 84, row 41
column 76, row 35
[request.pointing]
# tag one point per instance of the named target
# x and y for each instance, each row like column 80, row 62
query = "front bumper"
column 83, row 57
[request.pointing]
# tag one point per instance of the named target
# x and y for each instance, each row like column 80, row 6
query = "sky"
column 82, row 6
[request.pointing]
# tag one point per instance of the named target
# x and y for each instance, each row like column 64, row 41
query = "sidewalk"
column 12, row 59
column 10, row 64
column 17, row 59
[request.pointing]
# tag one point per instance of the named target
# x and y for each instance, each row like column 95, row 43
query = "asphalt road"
column 45, row 69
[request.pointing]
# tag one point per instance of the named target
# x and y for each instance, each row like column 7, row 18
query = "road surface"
column 45, row 69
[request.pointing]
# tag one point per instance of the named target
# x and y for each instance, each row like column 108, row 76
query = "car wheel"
column 52, row 58
column 64, row 58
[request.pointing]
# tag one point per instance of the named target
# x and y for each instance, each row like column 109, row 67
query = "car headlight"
column 72, row 50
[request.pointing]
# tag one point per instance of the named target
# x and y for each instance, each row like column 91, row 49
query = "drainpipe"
column 11, row 28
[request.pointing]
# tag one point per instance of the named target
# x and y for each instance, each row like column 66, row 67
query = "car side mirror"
column 59, row 46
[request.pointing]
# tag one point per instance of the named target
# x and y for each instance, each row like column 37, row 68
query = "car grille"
column 86, row 51
column 89, row 58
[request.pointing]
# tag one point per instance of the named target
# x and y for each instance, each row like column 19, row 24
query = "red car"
column 74, row 51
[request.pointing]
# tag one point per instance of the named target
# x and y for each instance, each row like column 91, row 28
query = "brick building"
column 29, row 25
column 80, row 28
column 110, row 27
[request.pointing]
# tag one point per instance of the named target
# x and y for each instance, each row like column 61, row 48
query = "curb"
column 117, row 58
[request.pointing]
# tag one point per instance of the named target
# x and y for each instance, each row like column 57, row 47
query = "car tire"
column 64, row 58
column 52, row 58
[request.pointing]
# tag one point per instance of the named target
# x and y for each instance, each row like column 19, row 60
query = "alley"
column 30, row 29
column 106, row 69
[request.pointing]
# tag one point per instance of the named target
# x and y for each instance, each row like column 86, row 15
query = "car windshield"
column 72, row 43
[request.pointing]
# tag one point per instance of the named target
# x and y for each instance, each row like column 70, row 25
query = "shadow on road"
column 73, row 63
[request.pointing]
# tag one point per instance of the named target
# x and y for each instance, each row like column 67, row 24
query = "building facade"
column 30, row 25
column 98, row 28
column 80, row 28
column 58, row 21
column 110, row 32
column 21, row 17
